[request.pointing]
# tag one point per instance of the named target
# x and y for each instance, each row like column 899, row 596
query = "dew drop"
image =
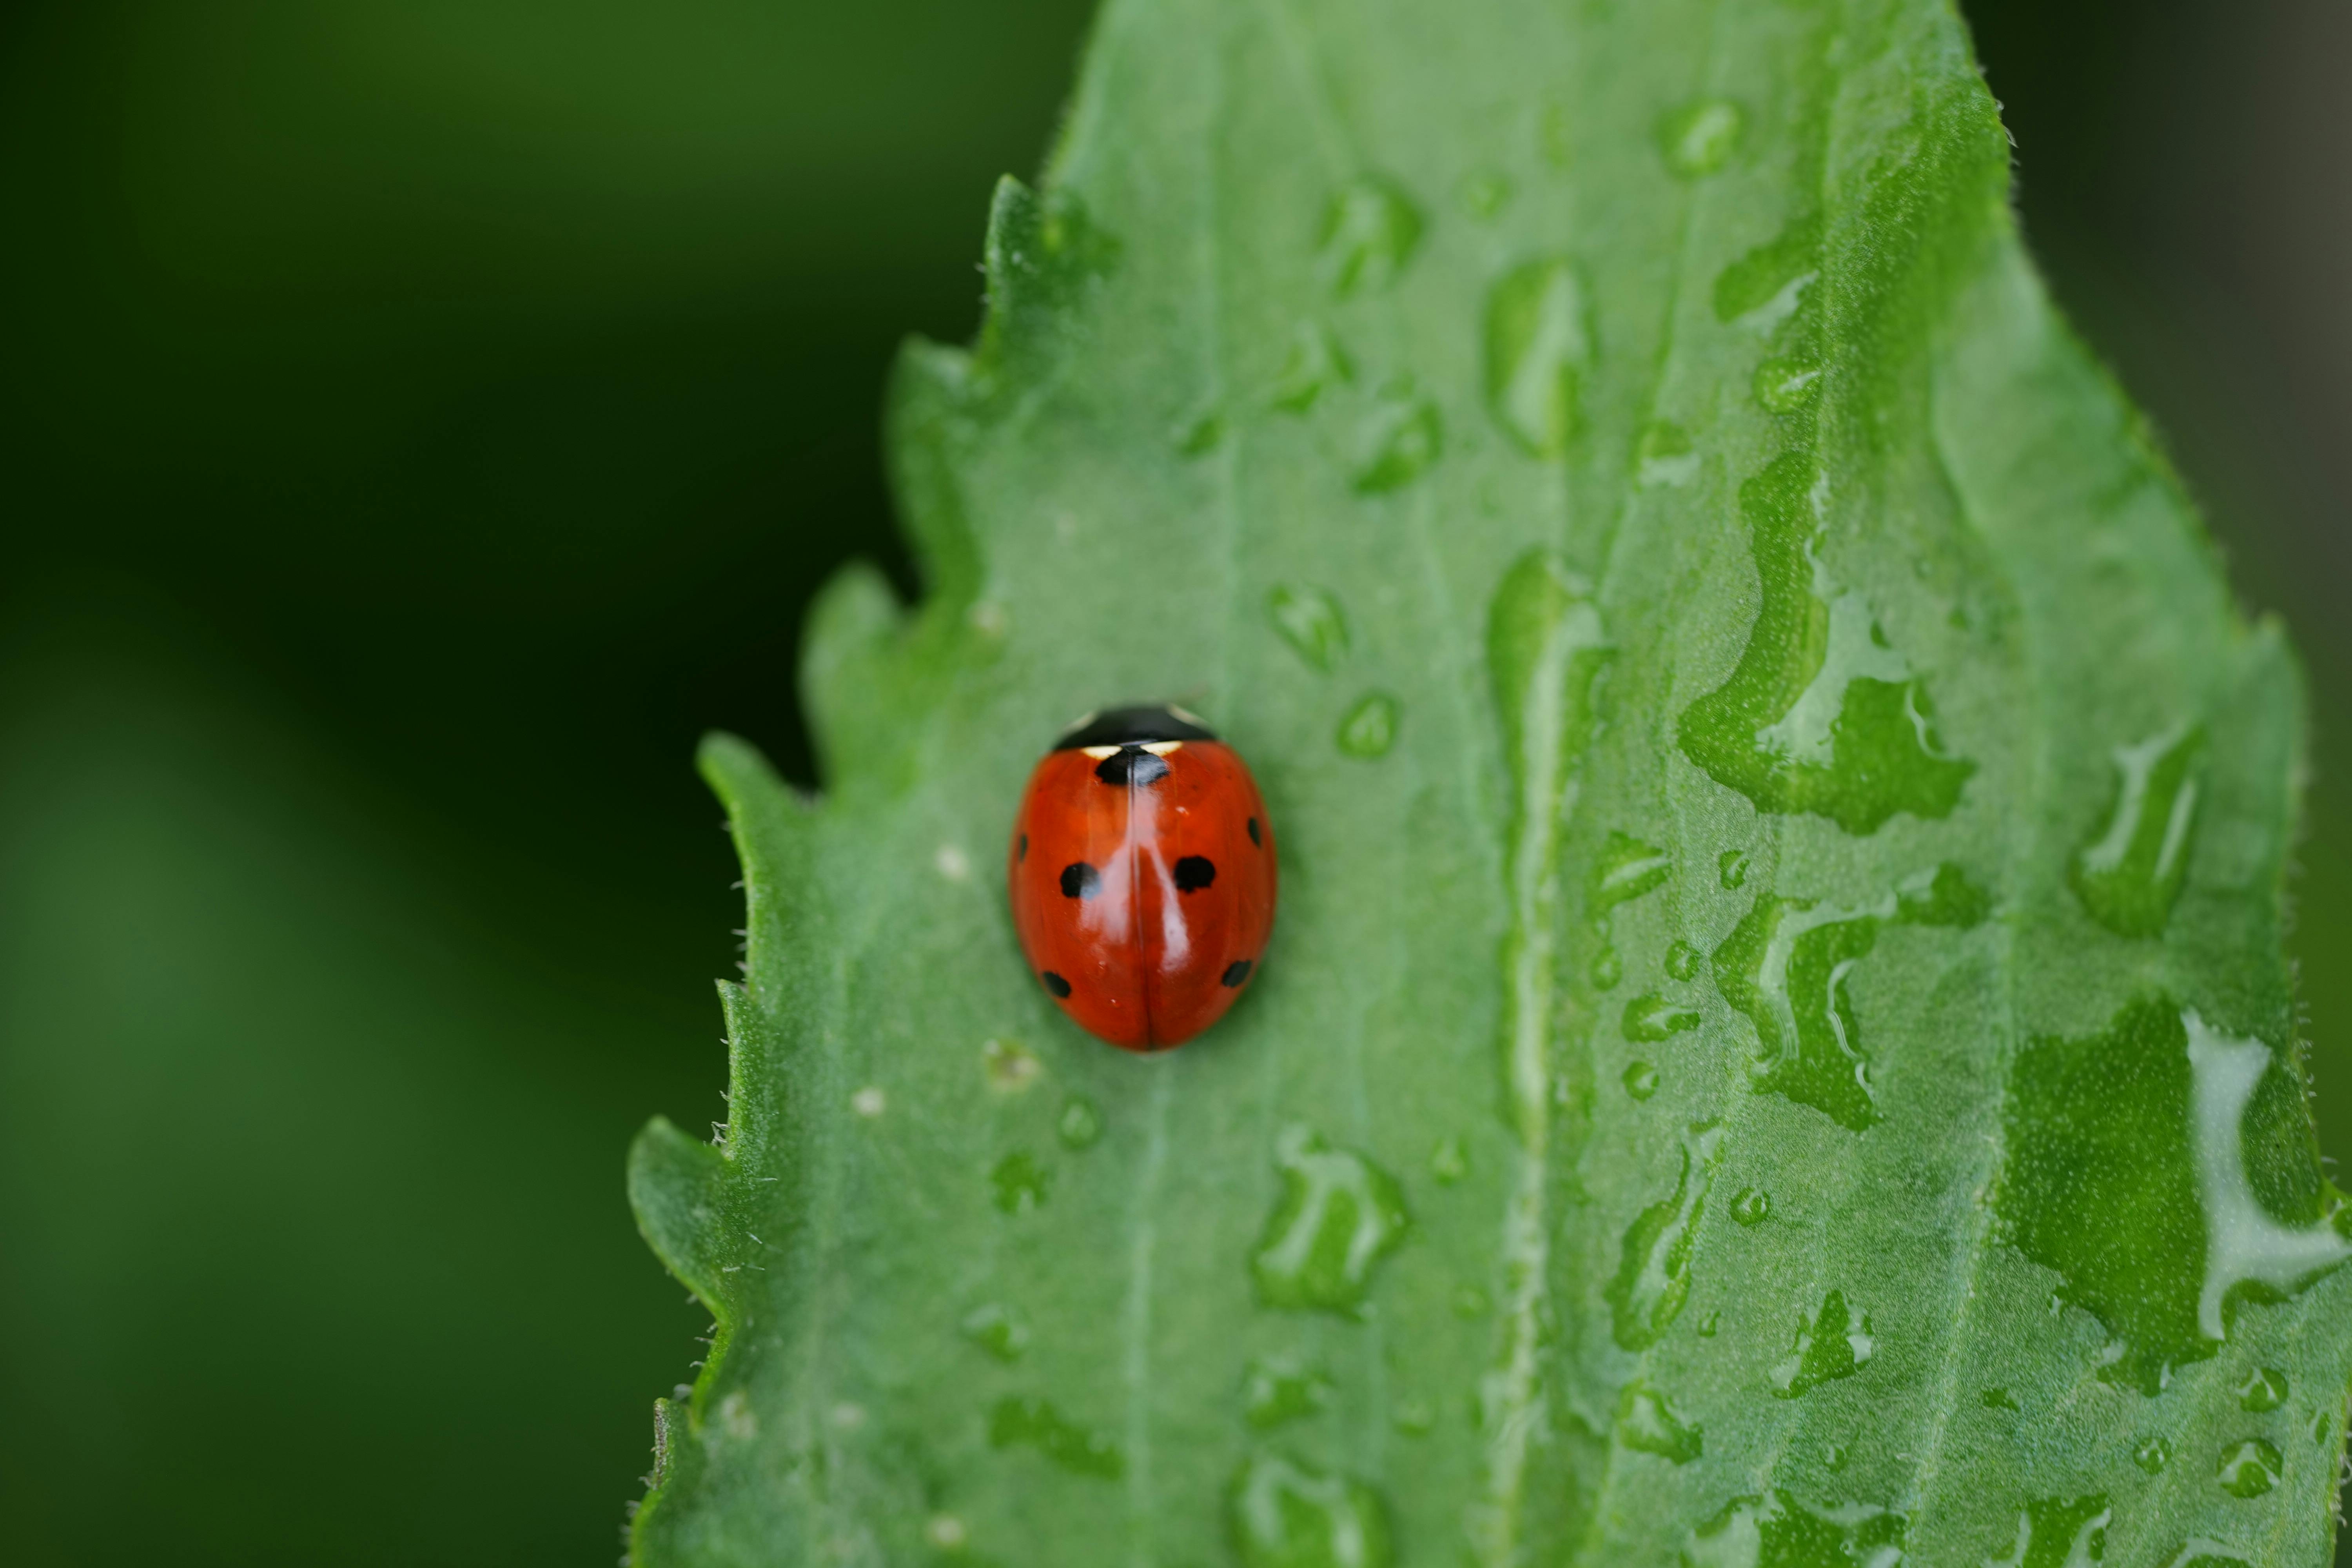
column 1311, row 622
column 736, row 1418
column 870, row 1102
column 1820, row 715
column 1401, row 438
column 998, row 1329
column 1700, row 138
column 1731, row 868
column 1836, row 1344
column 2127, row 1174
column 1286, row 1514
column 1338, row 1216
column 1035, row 1424
column 1413, row 1417
column 2059, row 1532
column 1787, row 385
column 1648, row 1424
column 1785, row 967
column 1316, row 360
column 1276, row 1389
column 1653, row 1277
column 2250, row 1468
column 1708, row 1324
column 1080, row 1125
column 1011, row 1066
column 1371, row 727
column 946, row 1532
column 1641, row 1080
column 2265, row 1389
column 1607, row 968
column 1020, row 1183
column 1682, row 960
column 1835, row 1458
column 1764, row 287
column 1779, row 1532
column 1997, row 1399
column 1200, row 435
column 1450, row 1161
column 1371, row 230
column 1485, row 192
column 1651, row 1016
column 1625, row 869
column 1665, row 457
column 1539, row 339
column 2153, row 1455
column 1753, row 1206
column 2130, row 873
column 2199, row 1552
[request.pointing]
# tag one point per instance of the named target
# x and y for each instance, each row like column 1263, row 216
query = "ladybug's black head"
column 1137, row 726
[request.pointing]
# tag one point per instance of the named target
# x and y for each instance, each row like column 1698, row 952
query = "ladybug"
column 1141, row 871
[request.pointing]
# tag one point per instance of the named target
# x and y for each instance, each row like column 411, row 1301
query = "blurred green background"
column 422, row 420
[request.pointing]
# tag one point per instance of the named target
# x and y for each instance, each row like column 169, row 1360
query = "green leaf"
column 1776, row 1049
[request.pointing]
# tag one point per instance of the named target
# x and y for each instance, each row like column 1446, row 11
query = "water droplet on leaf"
column 1753, row 1206
column 1311, row 622
column 1276, row 1389
column 1450, row 1161
column 1700, row 138
column 1641, row 1080
column 1080, row 1126
column 2059, row 1532
column 1779, row 1532
column 1665, row 457
column 1731, row 868
column 1316, row 360
column 1011, row 1066
column 1401, row 438
column 1820, row 714
column 1485, row 192
column 1787, row 385
column 1371, row 727
column 1539, row 342
column 2153, row 1455
column 2250, row 1468
column 1020, row 1183
column 1652, row 1017
column 1835, row 1344
column 1648, row 1424
column 1607, row 968
column 1653, row 1279
column 1035, row 1424
column 1370, row 232
column 2130, row 873
column 2265, row 1389
column 1338, row 1216
column 998, row 1329
column 1682, row 960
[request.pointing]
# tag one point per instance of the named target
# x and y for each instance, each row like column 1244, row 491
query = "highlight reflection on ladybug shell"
column 1143, row 876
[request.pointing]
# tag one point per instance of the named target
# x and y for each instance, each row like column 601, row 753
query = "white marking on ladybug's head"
column 1161, row 748
column 1099, row 753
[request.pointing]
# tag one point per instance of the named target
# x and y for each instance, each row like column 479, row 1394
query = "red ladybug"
column 1143, row 876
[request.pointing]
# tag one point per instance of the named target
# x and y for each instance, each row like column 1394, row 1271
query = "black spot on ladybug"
column 1253, row 828
column 1022, row 852
column 1131, row 765
column 1194, row 872
column 1061, row 987
column 1237, row 970
column 1080, row 880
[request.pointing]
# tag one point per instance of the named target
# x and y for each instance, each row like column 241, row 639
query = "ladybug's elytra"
column 1143, row 876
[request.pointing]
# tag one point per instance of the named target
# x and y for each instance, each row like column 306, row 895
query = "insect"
column 1141, row 870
